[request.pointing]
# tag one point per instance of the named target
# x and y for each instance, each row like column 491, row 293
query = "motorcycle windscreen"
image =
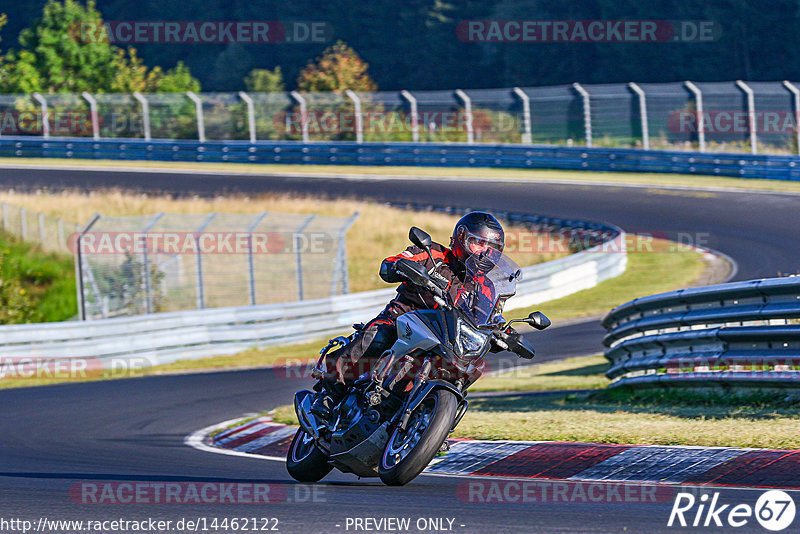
column 491, row 278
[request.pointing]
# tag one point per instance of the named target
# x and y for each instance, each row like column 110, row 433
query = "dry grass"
column 659, row 267
column 572, row 373
column 654, row 179
column 619, row 416
column 647, row 419
column 379, row 231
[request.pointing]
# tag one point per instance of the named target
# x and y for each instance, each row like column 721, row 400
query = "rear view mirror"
column 420, row 237
column 538, row 320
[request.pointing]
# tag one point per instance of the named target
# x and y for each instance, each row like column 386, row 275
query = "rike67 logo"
column 774, row 510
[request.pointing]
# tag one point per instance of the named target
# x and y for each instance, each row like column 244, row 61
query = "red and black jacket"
column 449, row 274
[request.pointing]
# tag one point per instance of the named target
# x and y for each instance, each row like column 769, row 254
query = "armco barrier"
column 777, row 167
column 740, row 334
column 166, row 337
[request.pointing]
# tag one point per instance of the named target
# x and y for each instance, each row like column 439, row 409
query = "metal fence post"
column 643, row 112
column 412, row 102
column 526, row 115
column 148, row 290
column 467, row 115
column 342, row 254
column 299, row 254
column 79, row 267
column 201, row 298
column 41, row 229
column 250, row 263
column 145, row 113
column 23, row 216
column 796, row 94
column 93, row 111
column 61, row 241
column 251, row 115
column 357, row 110
column 198, row 108
column 5, row 216
column 587, row 112
column 701, row 125
column 751, row 111
column 303, row 114
column 45, row 119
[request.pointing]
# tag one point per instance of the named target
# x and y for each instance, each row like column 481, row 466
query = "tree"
column 265, row 81
column 338, row 68
column 178, row 79
column 67, row 50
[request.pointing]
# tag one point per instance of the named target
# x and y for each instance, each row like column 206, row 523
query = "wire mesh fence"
column 51, row 233
column 171, row 262
column 721, row 116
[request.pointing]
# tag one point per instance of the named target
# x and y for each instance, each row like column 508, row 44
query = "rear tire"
column 304, row 461
column 408, row 453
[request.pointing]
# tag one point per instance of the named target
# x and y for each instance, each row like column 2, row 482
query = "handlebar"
column 417, row 275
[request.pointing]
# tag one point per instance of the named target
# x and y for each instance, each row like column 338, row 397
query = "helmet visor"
column 476, row 244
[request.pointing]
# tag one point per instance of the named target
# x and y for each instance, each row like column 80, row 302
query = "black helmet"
column 476, row 232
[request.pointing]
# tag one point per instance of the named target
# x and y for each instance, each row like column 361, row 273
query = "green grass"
column 572, row 373
column 664, row 268
column 286, row 355
column 647, row 272
column 36, row 286
column 649, row 417
column 654, row 179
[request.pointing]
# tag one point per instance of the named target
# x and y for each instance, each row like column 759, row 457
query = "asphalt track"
column 52, row 438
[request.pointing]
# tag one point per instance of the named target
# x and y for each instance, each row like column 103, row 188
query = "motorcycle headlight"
column 470, row 339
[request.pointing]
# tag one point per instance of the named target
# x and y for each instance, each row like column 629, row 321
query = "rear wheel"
column 409, row 452
column 304, row 461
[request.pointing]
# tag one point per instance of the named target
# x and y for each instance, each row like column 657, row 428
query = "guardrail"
column 166, row 337
column 743, row 334
column 777, row 167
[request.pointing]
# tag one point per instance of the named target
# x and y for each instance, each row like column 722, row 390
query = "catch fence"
column 734, row 116
column 174, row 262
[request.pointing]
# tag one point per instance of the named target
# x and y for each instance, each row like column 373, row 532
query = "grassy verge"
column 647, row 273
column 379, row 231
column 34, row 286
column 661, row 267
column 280, row 355
column 656, row 418
column 572, row 373
column 622, row 416
column 655, row 179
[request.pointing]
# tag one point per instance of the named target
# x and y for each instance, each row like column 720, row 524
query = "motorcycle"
column 393, row 420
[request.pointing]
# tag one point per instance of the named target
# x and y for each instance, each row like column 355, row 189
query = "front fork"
column 422, row 387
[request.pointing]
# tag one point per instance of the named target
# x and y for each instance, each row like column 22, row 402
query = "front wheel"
column 304, row 461
column 409, row 452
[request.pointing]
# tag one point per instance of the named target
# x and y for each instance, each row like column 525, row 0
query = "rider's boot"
column 324, row 401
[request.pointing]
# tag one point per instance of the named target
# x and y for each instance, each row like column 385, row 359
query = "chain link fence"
column 172, row 262
column 757, row 117
column 50, row 233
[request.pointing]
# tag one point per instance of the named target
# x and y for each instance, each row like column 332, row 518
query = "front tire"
column 408, row 453
column 304, row 461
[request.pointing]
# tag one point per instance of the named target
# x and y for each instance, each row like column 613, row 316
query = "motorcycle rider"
column 476, row 233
